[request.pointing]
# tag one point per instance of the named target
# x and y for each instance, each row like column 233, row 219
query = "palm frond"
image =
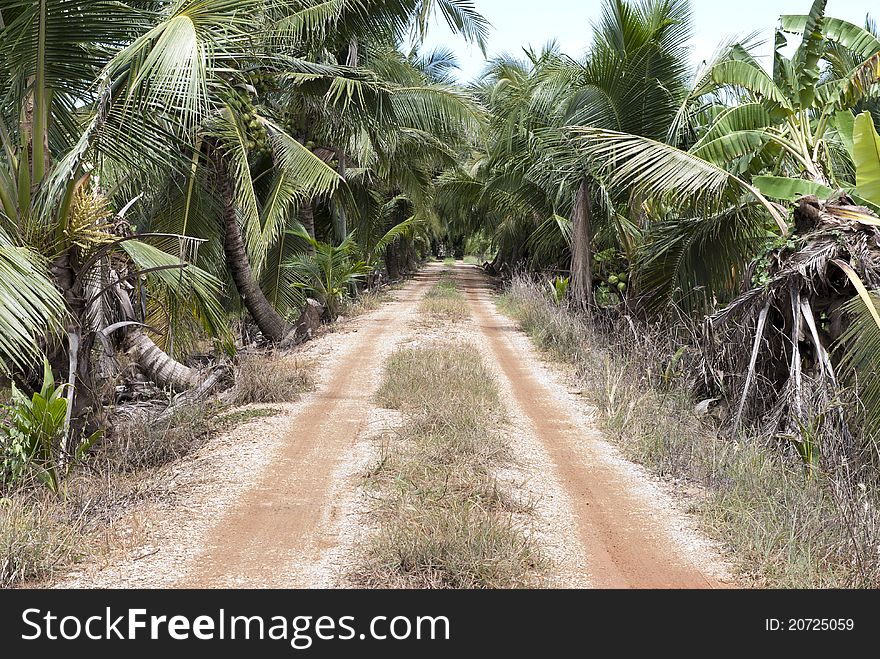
column 679, row 177
column 186, row 284
column 31, row 308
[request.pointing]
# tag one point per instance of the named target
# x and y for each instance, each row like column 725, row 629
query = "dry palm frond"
column 786, row 331
column 834, row 230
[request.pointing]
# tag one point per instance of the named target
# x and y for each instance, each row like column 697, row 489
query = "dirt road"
column 629, row 540
column 281, row 522
column 280, row 509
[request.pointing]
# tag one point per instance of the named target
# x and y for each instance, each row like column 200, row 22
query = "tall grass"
column 444, row 521
column 37, row 537
column 269, row 378
column 784, row 530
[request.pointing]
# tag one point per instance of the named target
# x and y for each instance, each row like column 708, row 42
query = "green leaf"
column 746, row 76
column 32, row 306
column 632, row 161
column 809, row 53
column 845, row 123
column 860, row 344
column 859, row 285
column 182, row 280
column 866, row 155
column 726, row 148
column 850, row 36
column 87, row 444
column 790, row 189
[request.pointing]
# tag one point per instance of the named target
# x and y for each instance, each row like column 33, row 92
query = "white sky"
column 517, row 23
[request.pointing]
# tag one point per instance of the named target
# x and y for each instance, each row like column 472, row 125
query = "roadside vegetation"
column 44, row 532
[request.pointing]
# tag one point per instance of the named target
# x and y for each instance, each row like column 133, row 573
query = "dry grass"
column 36, row 538
column 269, row 378
column 443, row 303
column 365, row 302
column 784, row 530
column 41, row 533
column 136, row 445
column 444, row 521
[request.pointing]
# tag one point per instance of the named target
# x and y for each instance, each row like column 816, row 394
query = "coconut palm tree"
column 291, row 109
column 65, row 145
column 548, row 196
column 777, row 141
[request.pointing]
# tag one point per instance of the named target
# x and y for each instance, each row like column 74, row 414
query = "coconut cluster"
column 257, row 136
column 617, row 280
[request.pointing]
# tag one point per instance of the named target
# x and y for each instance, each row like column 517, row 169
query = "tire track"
column 625, row 533
column 285, row 520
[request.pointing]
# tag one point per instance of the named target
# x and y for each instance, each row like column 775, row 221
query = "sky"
column 517, row 23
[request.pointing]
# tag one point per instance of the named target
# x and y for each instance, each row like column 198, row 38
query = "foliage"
column 36, row 426
column 329, row 273
column 558, row 288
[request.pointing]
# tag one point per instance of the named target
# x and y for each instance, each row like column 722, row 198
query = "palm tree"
column 271, row 148
column 59, row 163
column 788, row 125
column 547, row 195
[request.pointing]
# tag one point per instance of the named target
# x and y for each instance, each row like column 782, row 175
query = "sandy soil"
column 278, row 502
column 629, row 528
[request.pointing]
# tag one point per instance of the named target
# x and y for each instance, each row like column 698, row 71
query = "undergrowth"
column 41, row 533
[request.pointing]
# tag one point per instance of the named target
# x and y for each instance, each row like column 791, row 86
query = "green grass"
column 239, row 417
column 784, row 531
column 444, row 521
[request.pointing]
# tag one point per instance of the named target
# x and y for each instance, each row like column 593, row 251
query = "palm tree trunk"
column 307, row 217
column 161, row 368
column 340, row 221
column 581, row 240
column 270, row 322
column 392, row 264
column 410, row 257
column 84, row 399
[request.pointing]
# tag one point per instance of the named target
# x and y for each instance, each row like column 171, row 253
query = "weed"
column 238, row 417
column 269, row 378
column 34, row 540
column 444, row 521
column 444, row 302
